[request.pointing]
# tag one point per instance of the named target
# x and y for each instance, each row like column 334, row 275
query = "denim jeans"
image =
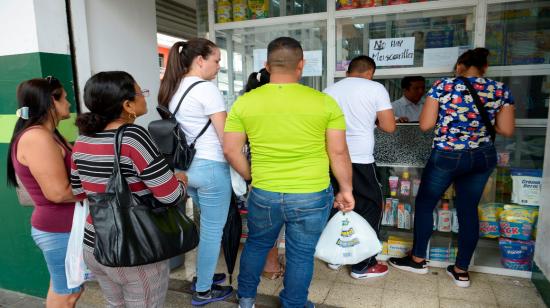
column 210, row 188
column 54, row 248
column 469, row 171
column 304, row 217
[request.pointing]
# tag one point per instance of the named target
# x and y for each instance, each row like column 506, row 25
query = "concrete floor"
column 337, row 289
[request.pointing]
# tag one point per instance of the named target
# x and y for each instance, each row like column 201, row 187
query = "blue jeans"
column 469, row 171
column 54, row 248
column 304, row 217
column 210, row 188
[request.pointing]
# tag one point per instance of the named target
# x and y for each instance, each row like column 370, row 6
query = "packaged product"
column 454, row 224
column 516, row 254
column 393, row 181
column 526, row 186
column 346, row 4
column 439, row 253
column 399, row 246
column 387, row 215
column 489, row 219
column 444, row 218
column 385, row 247
column 394, row 205
column 258, row 9
column 517, row 221
column 405, row 186
column 239, row 10
column 404, row 216
column 223, row 11
column 393, row 2
column 370, row 3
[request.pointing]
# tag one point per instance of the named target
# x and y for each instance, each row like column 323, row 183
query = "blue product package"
column 516, row 249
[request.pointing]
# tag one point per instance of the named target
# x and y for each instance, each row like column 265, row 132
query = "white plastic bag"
column 75, row 269
column 347, row 239
column 237, row 182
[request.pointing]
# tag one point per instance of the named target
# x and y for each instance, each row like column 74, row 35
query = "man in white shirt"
column 365, row 103
column 409, row 106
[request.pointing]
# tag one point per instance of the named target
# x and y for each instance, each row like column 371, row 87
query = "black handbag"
column 480, row 108
column 132, row 230
column 170, row 139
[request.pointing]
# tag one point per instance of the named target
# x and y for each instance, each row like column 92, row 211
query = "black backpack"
column 170, row 139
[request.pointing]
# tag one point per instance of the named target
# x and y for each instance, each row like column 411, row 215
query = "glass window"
column 248, row 47
column 239, row 10
column 519, row 33
column 423, row 32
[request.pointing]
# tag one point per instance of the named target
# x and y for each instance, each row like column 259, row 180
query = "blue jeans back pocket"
column 259, row 211
column 446, row 161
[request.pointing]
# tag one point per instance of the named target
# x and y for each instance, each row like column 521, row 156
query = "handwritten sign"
column 392, row 51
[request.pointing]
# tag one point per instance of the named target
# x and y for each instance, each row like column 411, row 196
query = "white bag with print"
column 347, row 239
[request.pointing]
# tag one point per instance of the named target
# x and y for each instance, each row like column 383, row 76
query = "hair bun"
column 90, row 123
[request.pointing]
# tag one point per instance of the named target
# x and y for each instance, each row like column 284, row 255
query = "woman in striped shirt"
column 114, row 99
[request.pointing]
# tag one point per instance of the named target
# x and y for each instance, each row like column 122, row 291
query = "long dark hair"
column 476, row 57
column 37, row 95
column 257, row 79
column 180, row 58
column 104, row 94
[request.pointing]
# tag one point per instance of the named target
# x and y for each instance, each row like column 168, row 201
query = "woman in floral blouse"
column 463, row 153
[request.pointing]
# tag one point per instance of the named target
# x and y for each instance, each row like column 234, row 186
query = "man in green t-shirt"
column 295, row 133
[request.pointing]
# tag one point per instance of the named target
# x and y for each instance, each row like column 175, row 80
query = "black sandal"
column 460, row 279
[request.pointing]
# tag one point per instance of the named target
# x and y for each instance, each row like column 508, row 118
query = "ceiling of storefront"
column 177, row 18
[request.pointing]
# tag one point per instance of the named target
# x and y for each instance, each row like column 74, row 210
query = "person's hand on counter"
column 402, row 120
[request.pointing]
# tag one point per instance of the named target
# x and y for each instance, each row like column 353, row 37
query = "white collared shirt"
column 403, row 107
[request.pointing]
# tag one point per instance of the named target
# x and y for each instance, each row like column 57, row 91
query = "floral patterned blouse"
column 459, row 125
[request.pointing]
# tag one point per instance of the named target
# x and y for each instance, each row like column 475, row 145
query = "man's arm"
column 340, row 164
column 233, row 143
column 386, row 120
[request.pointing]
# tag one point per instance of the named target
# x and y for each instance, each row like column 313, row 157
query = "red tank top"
column 47, row 216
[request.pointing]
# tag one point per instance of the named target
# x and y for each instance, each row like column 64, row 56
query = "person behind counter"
column 409, row 106
column 463, row 153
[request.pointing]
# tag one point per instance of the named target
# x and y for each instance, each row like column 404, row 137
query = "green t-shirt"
column 286, row 126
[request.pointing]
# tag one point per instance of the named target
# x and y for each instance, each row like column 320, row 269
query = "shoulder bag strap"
column 185, row 94
column 118, row 145
column 480, row 108
column 200, row 134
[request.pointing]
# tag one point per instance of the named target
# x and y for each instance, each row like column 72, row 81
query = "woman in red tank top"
column 41, row 157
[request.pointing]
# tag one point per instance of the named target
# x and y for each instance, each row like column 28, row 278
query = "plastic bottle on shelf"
column 444, row 218
column 405, row 186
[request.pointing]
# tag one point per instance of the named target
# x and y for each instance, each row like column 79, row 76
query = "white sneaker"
column 334, row 267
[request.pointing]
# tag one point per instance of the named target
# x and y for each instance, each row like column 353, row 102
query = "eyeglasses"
column 144, row 93
column 50, row 79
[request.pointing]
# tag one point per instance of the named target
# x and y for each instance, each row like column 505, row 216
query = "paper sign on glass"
column 314, row 63
column 392, row 51
column 260, row 57
column 313, row 66
column 440, row 57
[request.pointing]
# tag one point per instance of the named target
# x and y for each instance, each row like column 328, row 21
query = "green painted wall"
column 22, row 265
column 542, row 284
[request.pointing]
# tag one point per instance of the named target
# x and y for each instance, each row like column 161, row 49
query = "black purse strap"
column 163, row 111
column 118, row 145
column 185, row 94
column 480, row 107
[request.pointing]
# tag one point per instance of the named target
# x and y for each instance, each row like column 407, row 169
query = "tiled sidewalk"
column 337, row 289
column 399, row 288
